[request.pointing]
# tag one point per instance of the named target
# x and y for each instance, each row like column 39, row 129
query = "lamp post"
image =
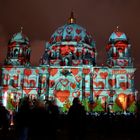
column 5, row 99
column 110, row 104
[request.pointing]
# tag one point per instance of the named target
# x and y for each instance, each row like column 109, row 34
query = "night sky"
column 40, row 18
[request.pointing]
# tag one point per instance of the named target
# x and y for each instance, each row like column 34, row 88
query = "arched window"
column 16, row 52
column 32, row 83
column 11, row 82
column 120, row 51
column 66, row 60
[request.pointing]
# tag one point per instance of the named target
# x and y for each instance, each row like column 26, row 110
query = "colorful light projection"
column 68, row 69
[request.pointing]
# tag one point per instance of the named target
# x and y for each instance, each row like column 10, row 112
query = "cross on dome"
column 117, row 28
column 21, row 29
column 71, row 19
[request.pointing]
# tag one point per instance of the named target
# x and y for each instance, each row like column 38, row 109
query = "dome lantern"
column 21, row 29
column 71, row 19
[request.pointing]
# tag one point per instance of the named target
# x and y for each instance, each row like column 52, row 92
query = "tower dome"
column 72, row 44
column 117, row 36
column 19, row 38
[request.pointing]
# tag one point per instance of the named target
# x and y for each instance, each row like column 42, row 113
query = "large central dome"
column 70, row 45
column 72, row 32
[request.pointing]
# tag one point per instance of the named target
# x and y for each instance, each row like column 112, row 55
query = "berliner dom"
column 68, row 69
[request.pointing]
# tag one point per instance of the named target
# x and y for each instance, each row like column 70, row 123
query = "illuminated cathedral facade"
column 68, row 69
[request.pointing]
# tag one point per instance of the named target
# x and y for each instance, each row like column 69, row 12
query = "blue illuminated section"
column 118, row 36
column 19, row 38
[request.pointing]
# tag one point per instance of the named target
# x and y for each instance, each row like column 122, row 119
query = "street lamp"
column 5, row 99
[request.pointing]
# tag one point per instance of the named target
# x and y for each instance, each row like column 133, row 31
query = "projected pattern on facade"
column 68, row 69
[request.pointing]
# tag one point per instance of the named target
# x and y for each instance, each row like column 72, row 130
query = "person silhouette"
column 53, row 112
column 4, row 121
column 22, row 119
column 76, row 117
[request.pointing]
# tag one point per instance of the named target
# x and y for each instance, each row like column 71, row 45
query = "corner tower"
column 121, row 73
column 18, row 77
column 118, row 50
column 18, row 50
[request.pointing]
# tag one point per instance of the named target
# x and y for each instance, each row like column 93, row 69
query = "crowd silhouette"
column 37, row 120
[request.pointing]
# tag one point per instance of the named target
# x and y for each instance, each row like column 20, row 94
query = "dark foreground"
column 103, row 127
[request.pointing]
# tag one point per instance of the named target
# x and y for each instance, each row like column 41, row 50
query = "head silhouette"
column 76, row 101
